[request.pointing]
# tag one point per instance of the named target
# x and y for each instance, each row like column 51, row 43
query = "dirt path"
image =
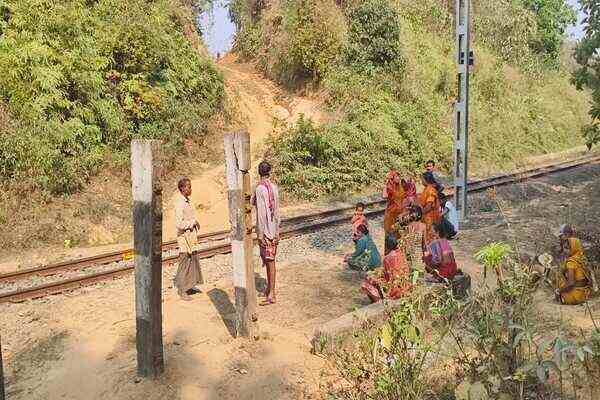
column 84, row 347
column 258, row 104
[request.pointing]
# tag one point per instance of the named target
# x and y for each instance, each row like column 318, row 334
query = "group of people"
column 418, row 227
column 265, row 199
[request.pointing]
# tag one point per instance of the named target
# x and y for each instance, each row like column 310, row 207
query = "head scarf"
column 392, row 184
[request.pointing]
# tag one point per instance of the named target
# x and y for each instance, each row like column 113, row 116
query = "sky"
column 218, row 30
column 576, row 32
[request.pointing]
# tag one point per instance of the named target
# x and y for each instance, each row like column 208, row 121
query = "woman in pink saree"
column 439, row 256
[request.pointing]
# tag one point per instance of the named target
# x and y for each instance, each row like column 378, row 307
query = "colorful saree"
column 577, row 263
column 440, row 257
column 393, row 282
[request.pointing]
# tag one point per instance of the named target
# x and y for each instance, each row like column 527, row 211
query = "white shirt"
column 266, row 224
column 185, row 215
column 452, row 214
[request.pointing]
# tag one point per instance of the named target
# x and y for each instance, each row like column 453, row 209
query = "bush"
column 553, row 18
column 526, row 31
column 296, row 41
column 588, row 75
column 82, row 78
column 374, row 37
column 505, row 29
column 378, row 135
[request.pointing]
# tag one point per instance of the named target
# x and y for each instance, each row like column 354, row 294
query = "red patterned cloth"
column 441, row 258
column 395, row 282
column 268, row 250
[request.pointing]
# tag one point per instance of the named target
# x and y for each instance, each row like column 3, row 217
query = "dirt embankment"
column 259, row 104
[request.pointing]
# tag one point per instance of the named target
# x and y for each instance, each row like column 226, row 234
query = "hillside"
column 387, row 71
column 335, row 93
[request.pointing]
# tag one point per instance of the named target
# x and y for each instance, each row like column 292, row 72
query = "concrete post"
column 237, row 158
column 147, row 237
column 461, row 112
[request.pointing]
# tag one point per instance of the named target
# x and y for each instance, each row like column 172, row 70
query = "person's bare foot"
column 184, row 296
column 267, row 302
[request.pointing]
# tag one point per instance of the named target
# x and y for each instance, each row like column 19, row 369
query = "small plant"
column 392, row 362
column 492, row 256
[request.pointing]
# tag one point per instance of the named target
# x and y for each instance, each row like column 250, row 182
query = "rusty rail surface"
column 291, row 227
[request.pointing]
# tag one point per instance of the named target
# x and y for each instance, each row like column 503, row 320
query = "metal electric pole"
column 461, row 110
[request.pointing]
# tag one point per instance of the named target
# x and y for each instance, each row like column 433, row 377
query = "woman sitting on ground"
column 394, row 281
column 574, row 280
column 366, row 257
column 439, row 257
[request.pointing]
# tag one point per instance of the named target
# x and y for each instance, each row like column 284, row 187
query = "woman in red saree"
column 430, row 205
column 394, row 282
column 394, row 193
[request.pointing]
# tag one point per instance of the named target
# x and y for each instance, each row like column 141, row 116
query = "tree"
column 553, row 18
column 587, row 55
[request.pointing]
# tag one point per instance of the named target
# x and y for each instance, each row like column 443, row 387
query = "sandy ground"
column 82, row 345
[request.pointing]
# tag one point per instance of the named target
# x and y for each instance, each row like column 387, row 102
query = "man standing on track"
column 266, row 201
column 188, row 272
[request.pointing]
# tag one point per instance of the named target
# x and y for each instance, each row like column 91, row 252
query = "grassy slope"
column 399, row 119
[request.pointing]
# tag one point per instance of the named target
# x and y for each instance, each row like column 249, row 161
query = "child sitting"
column 358, row 219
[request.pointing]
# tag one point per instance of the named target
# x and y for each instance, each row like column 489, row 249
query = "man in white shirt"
column 266, row 201
column 188, row 273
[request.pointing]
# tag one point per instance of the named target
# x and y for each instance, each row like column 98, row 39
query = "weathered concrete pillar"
column 147, row 238
column 237, row 158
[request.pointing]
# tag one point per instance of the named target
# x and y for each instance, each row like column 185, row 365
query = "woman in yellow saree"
column 574, row 280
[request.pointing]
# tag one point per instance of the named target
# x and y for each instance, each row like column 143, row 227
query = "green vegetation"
column 587, row 55
column 80, row 78
column 386, row 69
column 553, row 17
column 491, row 345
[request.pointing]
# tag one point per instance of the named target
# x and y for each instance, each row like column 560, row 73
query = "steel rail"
column 225, row 248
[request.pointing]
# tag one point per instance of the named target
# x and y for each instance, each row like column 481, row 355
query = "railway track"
column 217, row 242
